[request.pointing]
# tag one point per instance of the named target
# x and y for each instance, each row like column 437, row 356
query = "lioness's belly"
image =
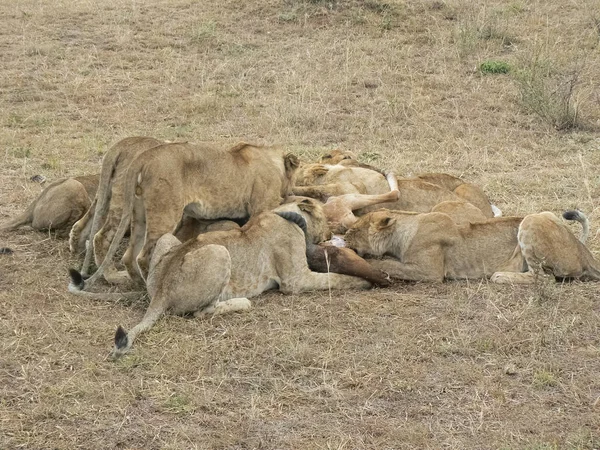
column 205, row 210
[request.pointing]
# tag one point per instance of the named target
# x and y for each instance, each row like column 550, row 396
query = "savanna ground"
column 454, row 365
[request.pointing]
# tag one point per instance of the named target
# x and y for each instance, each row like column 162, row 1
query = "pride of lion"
column 211, row 226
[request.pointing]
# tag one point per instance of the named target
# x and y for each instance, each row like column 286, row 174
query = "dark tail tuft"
column 6, row 251
column 77, row 280
column 120, row 338
column 572, row 215
column 295, row 218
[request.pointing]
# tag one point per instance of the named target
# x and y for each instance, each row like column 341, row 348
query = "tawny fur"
column 101, row 220
column 431, row 247
column 209, row 181
column 58, row 206
column 460, row 211
column 219, row 271
column 324, row 181
column 466, row 191
column 549, row 247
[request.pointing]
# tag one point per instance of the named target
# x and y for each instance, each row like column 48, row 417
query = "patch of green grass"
column 494, row 67
column 206, row 31
column 52, row 162
column 370, row 157
column 544, row 379
column 21, row 152
column 179, row 404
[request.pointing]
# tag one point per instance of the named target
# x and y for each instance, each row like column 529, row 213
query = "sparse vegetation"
column 466, row 365
column 555, row 96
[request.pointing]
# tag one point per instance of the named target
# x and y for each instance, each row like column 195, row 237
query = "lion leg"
column 136, row 242
column 357, row 201
column 195, row 286
column 232, row 305
column 157, row 223
column 321, row 192
column 102, row 241
column 22, row 219
column 513, row 277
column 306, row 280
column 409, row 271
column 79, row 233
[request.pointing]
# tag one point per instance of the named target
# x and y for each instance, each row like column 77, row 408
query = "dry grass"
column 457, row 365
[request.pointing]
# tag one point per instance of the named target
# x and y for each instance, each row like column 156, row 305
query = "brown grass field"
column 465, row 365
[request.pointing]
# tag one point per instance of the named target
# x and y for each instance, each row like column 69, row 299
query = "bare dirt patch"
column 454, row 365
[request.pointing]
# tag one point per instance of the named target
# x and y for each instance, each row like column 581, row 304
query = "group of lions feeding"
column 210, row 227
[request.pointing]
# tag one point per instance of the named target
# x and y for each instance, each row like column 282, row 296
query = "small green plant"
column 544, row 379
column 369, row 157
column 494, row 67
column 52, row 163
column 204, row 32
column 21, row 152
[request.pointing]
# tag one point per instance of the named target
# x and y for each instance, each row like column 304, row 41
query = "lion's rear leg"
column 79, row 233
column 102, row 241
column 357, row 201
column 227, row 306
column 196, row 285
column 157, row 224
column 136, row 241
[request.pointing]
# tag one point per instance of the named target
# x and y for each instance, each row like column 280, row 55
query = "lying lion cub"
column 59, row 206
column 219, row 271
column 322, row 181
column 431, row 247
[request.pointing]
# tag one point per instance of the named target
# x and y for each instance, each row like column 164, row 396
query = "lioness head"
column 372, row 233
column 312, row 211
column 336, row 156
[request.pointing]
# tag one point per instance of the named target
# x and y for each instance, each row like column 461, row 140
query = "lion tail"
column 578, row 216
column 77, row 285
column 298, row 220
column 132, row 179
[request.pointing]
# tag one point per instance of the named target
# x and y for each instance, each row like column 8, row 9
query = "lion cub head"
column 372, row 233
column 312, row 211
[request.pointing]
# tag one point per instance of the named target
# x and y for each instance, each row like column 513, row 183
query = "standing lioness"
column 103, row 216
column 207, row 180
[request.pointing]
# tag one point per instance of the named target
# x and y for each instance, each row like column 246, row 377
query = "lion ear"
column 385, row 222
column 306, row 206
column 318, row 170
column 291, row 162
